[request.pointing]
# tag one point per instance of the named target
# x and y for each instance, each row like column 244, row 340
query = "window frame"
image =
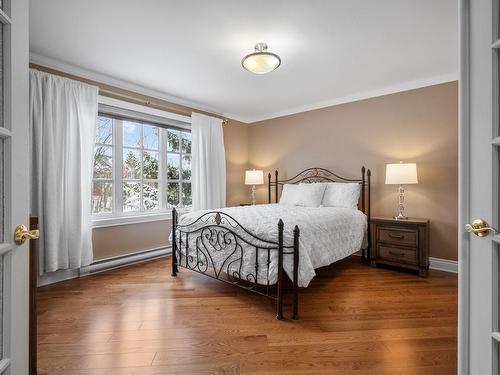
column 107, row 180
column 118, row 172
column 180, row 181
column 146, row 116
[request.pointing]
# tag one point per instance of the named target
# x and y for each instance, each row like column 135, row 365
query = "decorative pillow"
column 306, row 195
column 310, row 194
column 289, row 194
column 342, row 194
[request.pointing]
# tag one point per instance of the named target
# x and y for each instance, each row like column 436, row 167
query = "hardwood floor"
column 354, row 320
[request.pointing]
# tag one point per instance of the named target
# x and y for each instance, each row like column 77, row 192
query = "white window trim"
column 143, row 109
column 101, row 221
column 124, row 218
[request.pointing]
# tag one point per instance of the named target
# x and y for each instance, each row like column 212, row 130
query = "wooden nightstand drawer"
column 403, row 243
column 397, row 254
column 398, row 236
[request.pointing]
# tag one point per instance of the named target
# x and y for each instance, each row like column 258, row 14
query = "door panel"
column 14, row 185
column 480, row 175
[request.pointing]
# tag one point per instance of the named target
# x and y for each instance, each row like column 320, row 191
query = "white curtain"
column 63, row 115
column 208, row 162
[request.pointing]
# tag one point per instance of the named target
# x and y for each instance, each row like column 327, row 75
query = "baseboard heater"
column 103, row 265
column 125, row 260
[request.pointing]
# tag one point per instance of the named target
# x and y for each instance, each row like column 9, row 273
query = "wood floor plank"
column 354, row 320
column 95, row 361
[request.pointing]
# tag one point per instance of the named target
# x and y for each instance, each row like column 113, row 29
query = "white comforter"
column 327, row 234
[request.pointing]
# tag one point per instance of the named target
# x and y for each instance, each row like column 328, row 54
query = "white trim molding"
column 394, row 89
column 437, row 264
column 446, row 265
column 113, row 221
column 463, row 190
column 126, row 85
column 115, row 108
column 143, row 109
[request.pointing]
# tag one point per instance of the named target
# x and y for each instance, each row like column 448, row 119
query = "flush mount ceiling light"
column 261, row 61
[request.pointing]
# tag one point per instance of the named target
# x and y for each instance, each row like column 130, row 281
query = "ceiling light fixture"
column 261, row 61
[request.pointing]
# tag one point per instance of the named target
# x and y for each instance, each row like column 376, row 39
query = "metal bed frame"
column 218, row 235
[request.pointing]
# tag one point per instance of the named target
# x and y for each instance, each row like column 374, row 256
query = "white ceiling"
column 332, row 51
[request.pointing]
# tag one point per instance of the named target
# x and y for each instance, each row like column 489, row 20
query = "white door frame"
column 465, row 209
column 19, row 187
column 463, row 190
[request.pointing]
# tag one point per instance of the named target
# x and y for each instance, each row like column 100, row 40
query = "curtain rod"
column 112, row 93
column 149, row 103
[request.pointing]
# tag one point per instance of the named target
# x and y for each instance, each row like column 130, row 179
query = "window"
column 102, row 191
column 140, row 183
column 179, row 168
column 139, row 168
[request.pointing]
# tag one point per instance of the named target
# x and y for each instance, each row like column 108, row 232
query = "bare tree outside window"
column 102, row 190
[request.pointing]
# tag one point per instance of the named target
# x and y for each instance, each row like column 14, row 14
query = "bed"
column 258, row 247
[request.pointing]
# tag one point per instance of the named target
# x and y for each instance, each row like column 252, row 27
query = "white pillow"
column 342, row 194
column 289, row 194
column 305, row 195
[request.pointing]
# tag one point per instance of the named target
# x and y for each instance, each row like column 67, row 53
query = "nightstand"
column 402, row 243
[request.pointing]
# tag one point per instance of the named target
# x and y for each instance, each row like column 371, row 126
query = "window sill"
column 103, row 222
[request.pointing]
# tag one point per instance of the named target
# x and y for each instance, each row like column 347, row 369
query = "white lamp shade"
column 401, row 174
column 254, row 177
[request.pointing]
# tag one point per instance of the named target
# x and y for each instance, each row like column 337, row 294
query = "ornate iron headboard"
column 310, row 175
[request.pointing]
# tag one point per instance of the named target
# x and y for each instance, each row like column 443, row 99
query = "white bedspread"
column 327, row 234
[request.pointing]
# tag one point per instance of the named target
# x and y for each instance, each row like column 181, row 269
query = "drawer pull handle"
column 397, row 236
column 396, row 254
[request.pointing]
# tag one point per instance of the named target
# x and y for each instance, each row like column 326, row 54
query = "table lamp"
column 254, row 177
column 401, row 174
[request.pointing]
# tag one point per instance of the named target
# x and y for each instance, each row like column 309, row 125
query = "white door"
column 479, row 188
column 14, row 183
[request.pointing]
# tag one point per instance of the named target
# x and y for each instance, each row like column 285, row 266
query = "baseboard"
column 125, row 260
column 443, row 265
column 57, row 276
column 104, row 265
column 437, row 264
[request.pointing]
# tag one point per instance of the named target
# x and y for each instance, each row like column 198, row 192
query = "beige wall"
column 236, row 145
column 126, row 239
column 414, row 126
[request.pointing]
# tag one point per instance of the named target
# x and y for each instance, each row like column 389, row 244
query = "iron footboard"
column 216, row 245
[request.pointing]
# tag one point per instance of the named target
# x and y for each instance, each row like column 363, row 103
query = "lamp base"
column 401, row 207
column 400, row 216
column 253, row 195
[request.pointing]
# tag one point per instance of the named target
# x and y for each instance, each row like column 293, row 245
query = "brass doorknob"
column 480, row 228
column 22, row 233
